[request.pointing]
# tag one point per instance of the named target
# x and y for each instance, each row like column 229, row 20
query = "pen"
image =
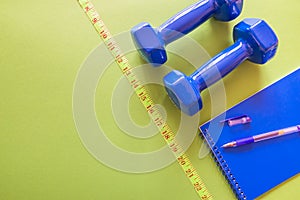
column 263, row 136
column 244, row 119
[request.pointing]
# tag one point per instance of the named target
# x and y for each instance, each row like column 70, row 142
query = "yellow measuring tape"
column 145, row 98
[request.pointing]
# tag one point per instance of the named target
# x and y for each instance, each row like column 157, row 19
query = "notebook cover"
column 256, row 168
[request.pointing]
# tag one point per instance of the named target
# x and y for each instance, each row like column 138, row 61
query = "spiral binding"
column 224, row 166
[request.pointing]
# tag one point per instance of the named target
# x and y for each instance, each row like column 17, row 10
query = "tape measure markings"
column 146, row 100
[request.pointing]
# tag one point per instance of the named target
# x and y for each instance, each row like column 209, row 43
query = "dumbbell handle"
column 221, row 64
column 186, row 20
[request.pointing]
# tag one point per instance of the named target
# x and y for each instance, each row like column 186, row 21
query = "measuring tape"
column 145, row 98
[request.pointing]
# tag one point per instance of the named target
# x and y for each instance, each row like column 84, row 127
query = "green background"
column 44, row 43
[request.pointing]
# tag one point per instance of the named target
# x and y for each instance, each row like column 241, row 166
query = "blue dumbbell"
column 254, row 40
column 151, row 42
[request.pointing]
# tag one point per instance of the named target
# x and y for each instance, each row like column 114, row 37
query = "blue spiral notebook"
column 256, row 168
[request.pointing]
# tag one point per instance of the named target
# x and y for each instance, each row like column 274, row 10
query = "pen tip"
column 225, row 146
column 230, row 144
